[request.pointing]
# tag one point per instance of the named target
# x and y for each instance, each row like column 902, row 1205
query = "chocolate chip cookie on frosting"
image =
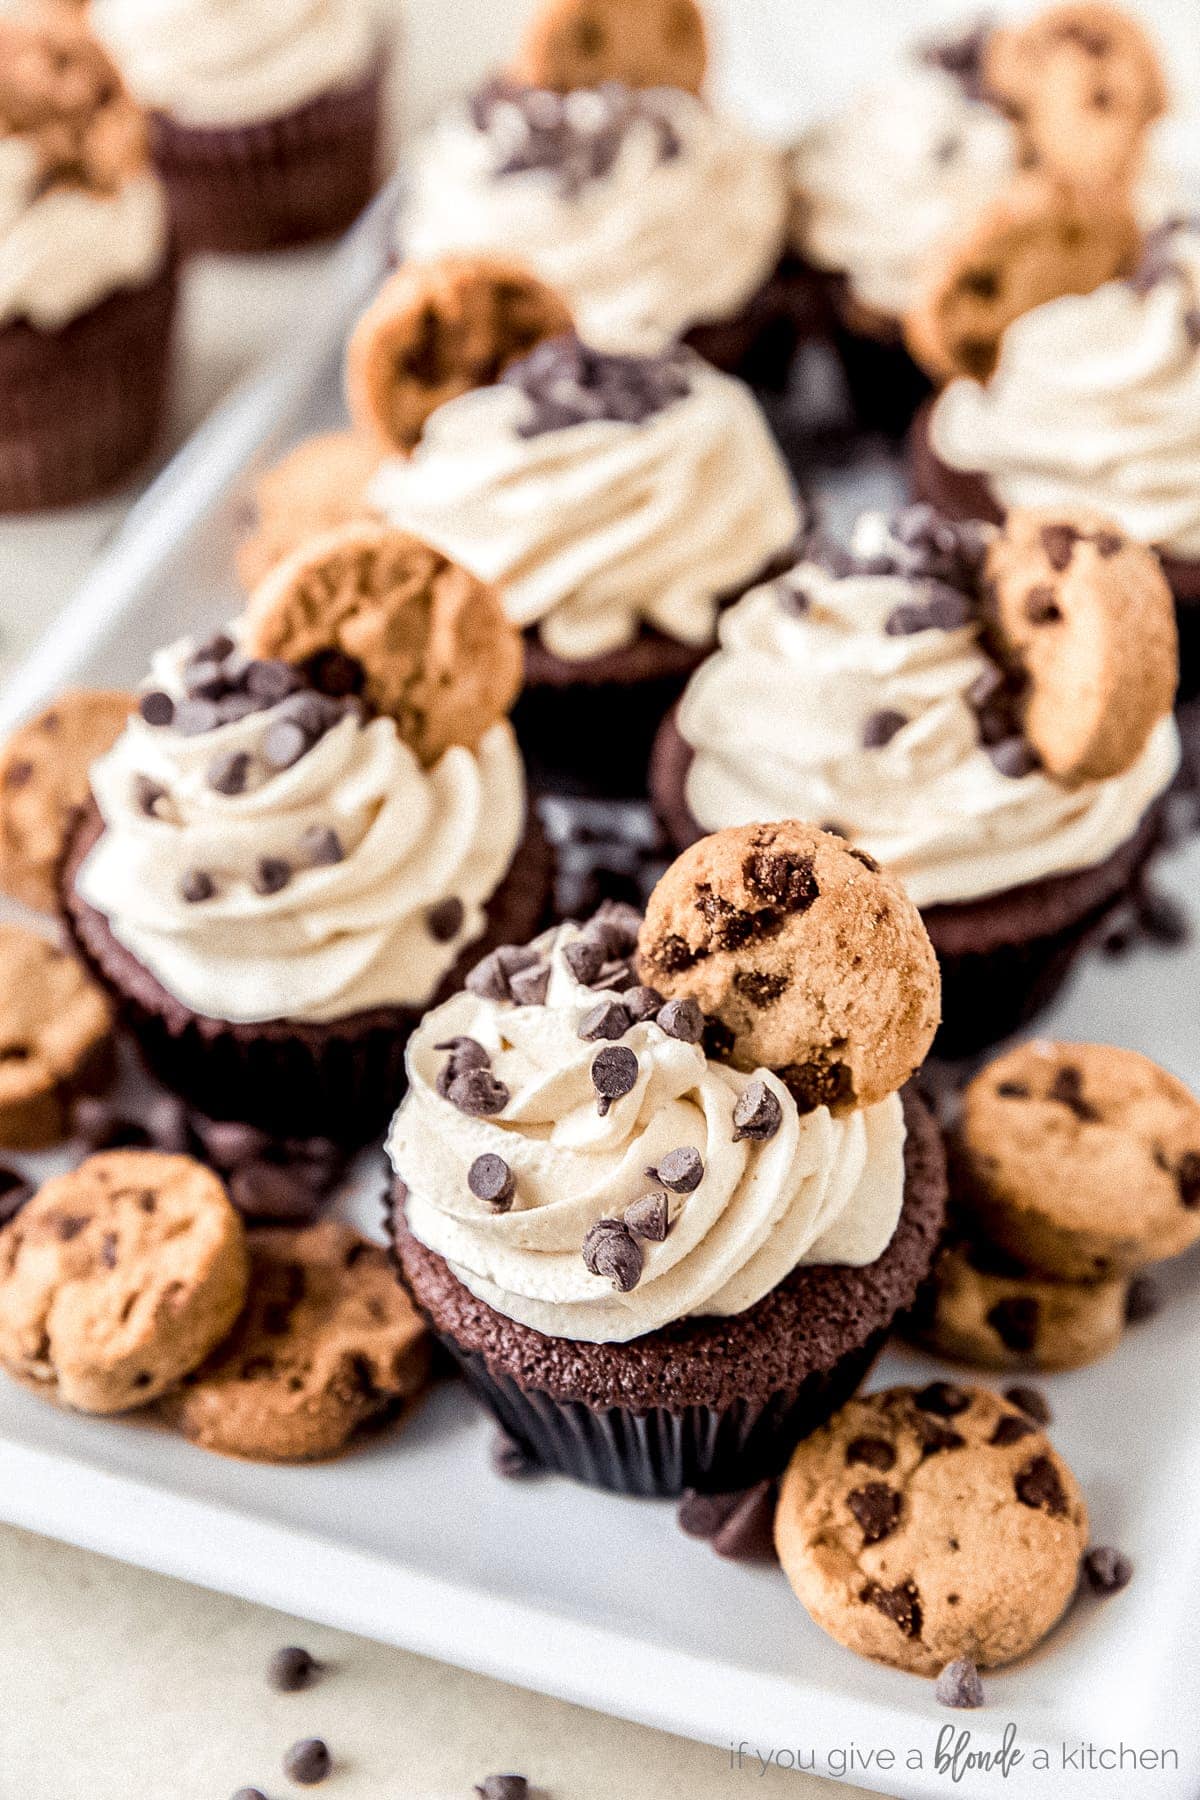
column 313, row 826
column 87, row 284
column 986, row 712
column 658, row 1260
column 596, row 156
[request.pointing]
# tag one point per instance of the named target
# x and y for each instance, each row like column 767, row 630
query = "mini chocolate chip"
column 585, row 959
column 445, row 920
column 285, row 743
column 1187, row 1176
column 611, row 1250
column 193, row 718
column 1038, row 1486
column 281, row 1192
column 943, row 1398
column 1031, row 1401
column 321, row 847
column 901, row 1604
column 757, row 1114
column 1108, row 543
column 230, row 1142
column 1067, row 1090
column 334, row 673
column 1013, row 757
column 529, row 987
column 291, row 1669
column 609, row 1020
column 949, row 610
column 936, row 1438
column 271, row 680
column 1041, row 605
column 682, row 1019
column 491, row 1180
column 906, row 620
column 746, row 1533
column 488, row 978
column 18, row 774
column 503, row 1787
column 877, row 1508
column 681, row 1170
column 156, row 707
column 271, row 875
column 875, row 1452
column 1012, row 1090
column 307, row 1762
column 1015, row 1321
column 249, row 1794
column 1161, row 919
column 168, row 1126
column 959, row 1685
column 1143, row 1300
column 233, row 707
column 641, row 1003
column 614, row 1074
column 197, row 885
column 1010, row 1428
column 478, row 1093
column 227, row 774
column 214, row 649
column 985, row 687
column 615, row 926
column 510, row 1458
column 649, row 1217
column 1107, row 1570
column 1059, row 541
column 882, row 727
column 147, row 794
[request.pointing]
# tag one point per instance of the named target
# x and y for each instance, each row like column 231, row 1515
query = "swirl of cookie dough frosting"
column 648, row 211
column 835, row 694
column 277, row 854
column 518, row 1161
column 600, row 493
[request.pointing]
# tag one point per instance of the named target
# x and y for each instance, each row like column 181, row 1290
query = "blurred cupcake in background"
column 264, row 119
column 597, row 159
column 87, row 282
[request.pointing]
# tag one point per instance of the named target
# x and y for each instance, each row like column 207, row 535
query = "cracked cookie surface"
column 924, row 1525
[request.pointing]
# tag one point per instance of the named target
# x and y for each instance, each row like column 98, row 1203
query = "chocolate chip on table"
column 1107, row 1570
column 307, row 1762
column 944, row 1399
column 881, row 727
column 281, row 1192
column 641, row 1003
column 491, row 1180
column 1031, row 1401
column 611, row 1250
column 291, row 1669
column 249, row 1794
column 321, row 847
column 649, row 1217
column 1038, row 1486
column 14, row 1192
column 757, row 1114
column 682, row 1019
column 478, row 1093
column 529, row 987
column 1162, row 919
column 445, row 920
column 1143, row 1300
column 510, row 1458
column 504, row 1787
column 196, row 886
column 614, row 1074
column 230, row 1142
column 608, row 1019
column 680, row 1170
column 271, row 875
column 959, row 1685
column 103, row 1127
column 228, row 773
column 740, row 1526
column 877, row 1509
column 156, row 707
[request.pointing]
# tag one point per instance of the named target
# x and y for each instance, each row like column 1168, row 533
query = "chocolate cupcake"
column 937, row 693
column 87, row 282
column 292, row 851
column 616, row 501
column 657, row 1259
column 264, row 121
column 654, row 215
column 1095, row 401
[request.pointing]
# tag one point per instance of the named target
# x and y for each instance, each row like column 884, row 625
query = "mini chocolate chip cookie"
column 641, row 43
column 318, row 486
column 440, row 329
column 55, row 1038
column 981, row 1307
column 806, row 957
column 1088, row 618
column 44, row 781
column 1081, row 1160
column 118, row 1278
column 923, row 1525
column 1038, row 241
column 1081, row 83
column 431, row 645
column 328, row 1341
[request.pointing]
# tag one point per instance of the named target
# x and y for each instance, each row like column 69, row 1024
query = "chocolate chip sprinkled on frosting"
column 477, row 1092
column 491, row 1180
column 642, row 1003
column 575, row 137
column 320, row 846
column 614, row 1074
column 271, row 875
column 682, row 1019
column 680, row 1170
column 611, row 1250
column 156, row 707
column 228, row 773
column 147, row 794
column 758, row 1114
column 197, row 885
column 649, row 1217
column 445, row 920
column 567, row 383
column 608, row 1019
column 881, row 727
column 529, row 987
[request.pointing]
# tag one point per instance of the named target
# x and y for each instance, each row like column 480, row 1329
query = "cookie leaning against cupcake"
column 87, row 280
column 663, row 1243
column 652, row 213
column 264, row 120
column 988, row 713
column 304, row 837
column 977, row 181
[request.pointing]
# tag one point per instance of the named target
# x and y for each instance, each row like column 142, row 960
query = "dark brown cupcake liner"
column 291, row 180
column 1003, row 958
column 709, row 1403
column 81, row 407
column 340, row 1079
column 759, row 345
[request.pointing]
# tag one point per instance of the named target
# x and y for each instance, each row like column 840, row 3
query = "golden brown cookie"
column 1034, row 244
column 436, row 649
column 61, row 91
column 642, row 43
column 924, row 1525
column 328, row 1341
column 55, row 1038
column 118, row 1278
column 1088, row 616
column 440, row 329
column 1081, row 83
column 1081, row 1160
column 318, row 486
column 813, row 959
column 981, row 1307
column 44, row 780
